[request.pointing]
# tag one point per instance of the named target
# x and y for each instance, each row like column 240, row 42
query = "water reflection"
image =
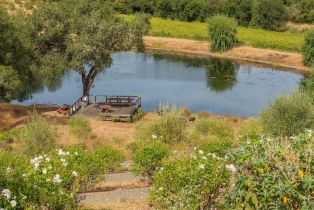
column 221, row 75
column 212, row 85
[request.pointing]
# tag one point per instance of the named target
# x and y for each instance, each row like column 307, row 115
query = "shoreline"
column 286, row 61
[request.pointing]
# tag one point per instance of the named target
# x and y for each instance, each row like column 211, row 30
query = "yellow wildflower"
column 285, row 200
column 300, row 174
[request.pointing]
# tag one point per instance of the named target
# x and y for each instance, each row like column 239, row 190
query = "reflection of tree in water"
column 31, row 83
column 221, row 74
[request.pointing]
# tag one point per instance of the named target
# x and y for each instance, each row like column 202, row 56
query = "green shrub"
column 9, row 135
column 222, row 33
column 308, row 47
column 307, row 85
column 288, row 115
column 189, row 182
column 37, row 135
column 170, row 128
column 139, row 114
column 113, row 158
column 275, row 173
column 213, row 128
column 148, row 158
column 80, row 127
column 269, row 14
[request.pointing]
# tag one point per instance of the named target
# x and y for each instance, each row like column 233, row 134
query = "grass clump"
column 252, row 126
column 289, row 115
column 170, row 128
column 37, row 135
column 222, row 33
column 210, row 127
column 80, row 127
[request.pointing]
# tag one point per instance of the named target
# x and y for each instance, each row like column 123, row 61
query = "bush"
column 112, row 157
column 80, row 127
column 308, row 47
column 289, row 115
column 50, row 180
column 148, row 158
column 37, row 135
column 307, row 85
column 222, row 33
column 275, row 173
column 189, row 182
column 170, row 128
column 269, row 14
column 213, row 128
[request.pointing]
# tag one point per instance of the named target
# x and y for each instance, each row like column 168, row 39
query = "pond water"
column 212, row 85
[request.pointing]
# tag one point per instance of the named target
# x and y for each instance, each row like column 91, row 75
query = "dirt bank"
column 288, row 60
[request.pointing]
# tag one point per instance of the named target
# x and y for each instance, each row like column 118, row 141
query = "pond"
column 213, row 85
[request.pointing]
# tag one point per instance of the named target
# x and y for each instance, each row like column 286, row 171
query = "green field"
column 284, row 41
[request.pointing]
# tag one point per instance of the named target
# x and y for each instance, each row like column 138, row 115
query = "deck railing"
column 77, row 105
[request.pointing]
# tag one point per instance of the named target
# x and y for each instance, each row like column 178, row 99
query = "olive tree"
column 81, row 35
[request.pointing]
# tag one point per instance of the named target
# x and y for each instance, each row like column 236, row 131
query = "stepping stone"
column 114, row 199
column 121, row 180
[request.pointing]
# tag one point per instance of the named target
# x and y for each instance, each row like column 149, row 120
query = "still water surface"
column 213, row 85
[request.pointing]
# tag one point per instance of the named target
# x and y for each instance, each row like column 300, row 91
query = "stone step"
column 121, row 180
column 134, row 198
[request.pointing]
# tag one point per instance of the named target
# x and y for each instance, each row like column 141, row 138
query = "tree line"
column 257, row 13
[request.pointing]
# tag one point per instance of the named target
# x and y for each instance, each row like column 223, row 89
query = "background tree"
column 308, row 48
column 15, row 57
column 82, row 37
column 269, row 14
column 222, row 33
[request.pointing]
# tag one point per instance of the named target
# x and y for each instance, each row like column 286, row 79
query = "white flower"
column 63, row 160
column 204, row 158
column 13, row 203
column 194, row 148
column 40, row 157
column 232, row 168
column 160, row 188
column 61, row 153
column 76, row 153
column 309, row 133
column 44, row 171
column 8, row 170
column 48, row 180
column 57, row 178
column 154, row 136
column 161, row 168
column 24, row 175
column 6, row 193
column 2, row 209
column 65, row 164
column 248, row 142
column 47, row 159
column 201, row 166
column 74, row 173
column 200, row 152
column 36, row 165
column 68, row 153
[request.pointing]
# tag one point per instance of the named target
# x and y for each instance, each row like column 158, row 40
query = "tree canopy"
column 82, row 37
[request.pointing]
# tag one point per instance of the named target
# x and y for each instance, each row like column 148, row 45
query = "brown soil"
column 287, row 60
column 14, row 115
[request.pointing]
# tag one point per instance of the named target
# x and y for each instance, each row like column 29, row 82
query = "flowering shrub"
column 274, row 174
column 189, row 182
column 49, row 180
column 149, row 157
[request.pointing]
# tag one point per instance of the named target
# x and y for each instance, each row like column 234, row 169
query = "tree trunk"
column 88, row 80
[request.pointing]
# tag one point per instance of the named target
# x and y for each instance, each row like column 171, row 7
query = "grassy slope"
column 252, row 37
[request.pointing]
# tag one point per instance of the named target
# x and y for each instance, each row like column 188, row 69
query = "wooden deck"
column 116, row 111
